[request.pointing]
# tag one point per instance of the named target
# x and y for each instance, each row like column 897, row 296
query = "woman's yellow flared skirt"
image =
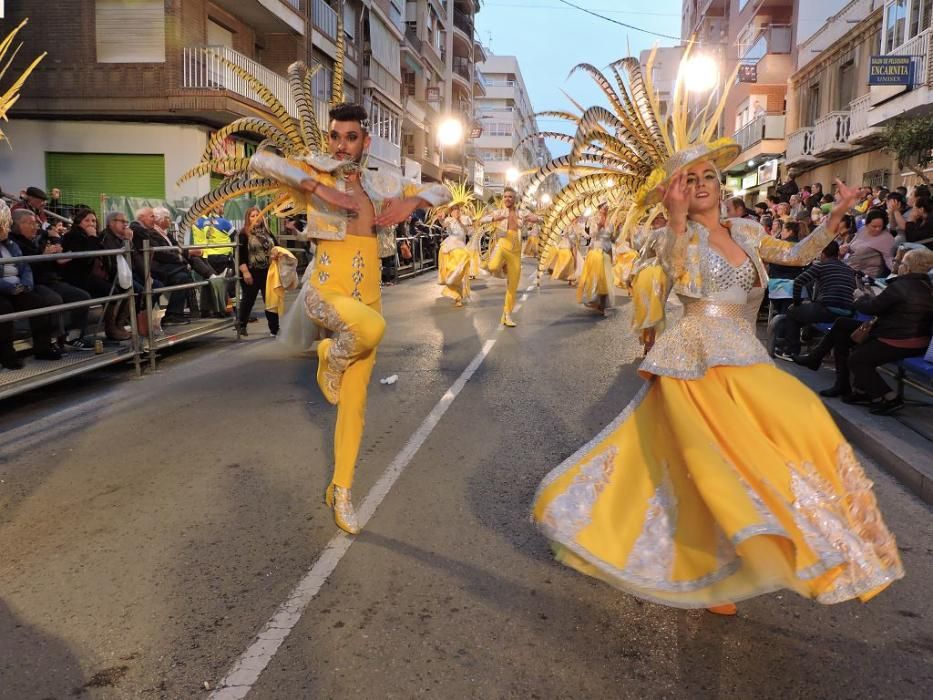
column 715, row 490
column 596, row 278
column 622, row 270
column 453, row 269
column 531, row 247
column 565, row 265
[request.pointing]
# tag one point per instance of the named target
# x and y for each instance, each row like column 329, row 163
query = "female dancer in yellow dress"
column 453, row 260
column 724, row 478
column 595, row 288
column 530, row 250
column 565, row 260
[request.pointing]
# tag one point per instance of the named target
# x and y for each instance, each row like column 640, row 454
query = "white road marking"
column 243, row 675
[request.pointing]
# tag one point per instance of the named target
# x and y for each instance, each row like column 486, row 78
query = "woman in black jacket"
column 256, row 242
column 88, row 273
column 903, row 320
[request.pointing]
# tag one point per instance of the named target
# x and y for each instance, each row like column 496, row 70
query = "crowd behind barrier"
column 169, row 286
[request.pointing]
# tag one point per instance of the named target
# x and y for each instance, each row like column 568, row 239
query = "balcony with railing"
column 267, row 15
column 800, row 147
column 479, row 83
column 206, row 68
column 860, row 131
column 412, row 39
column 324, row 18
column 463, row 23
column 763, row 127
column 831, row 135
column 919, row 48
column 463, row 69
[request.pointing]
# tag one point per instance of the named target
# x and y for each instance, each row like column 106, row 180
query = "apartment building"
column 507, row 121
column 834, row 114
column 126, row 104
column 439, row 81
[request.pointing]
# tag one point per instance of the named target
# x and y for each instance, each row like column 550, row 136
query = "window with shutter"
column 84, row 177
column 130, row 31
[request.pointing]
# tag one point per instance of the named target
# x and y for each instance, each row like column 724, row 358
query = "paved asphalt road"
column 149, row 529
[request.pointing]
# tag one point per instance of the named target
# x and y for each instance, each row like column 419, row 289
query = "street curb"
column 895, row 447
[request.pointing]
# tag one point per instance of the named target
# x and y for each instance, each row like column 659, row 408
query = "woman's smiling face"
column 703, row 178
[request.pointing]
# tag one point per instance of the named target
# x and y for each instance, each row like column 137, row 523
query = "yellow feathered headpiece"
column 623, row 153
column 9, row 97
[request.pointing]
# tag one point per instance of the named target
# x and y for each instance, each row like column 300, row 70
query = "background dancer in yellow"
column 453, row 260
column 595, row 287
column 506, row 256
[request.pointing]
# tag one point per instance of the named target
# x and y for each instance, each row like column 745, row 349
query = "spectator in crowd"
column 920, row 228
column 777, row 226
column 788, row 188
column 256, row 242
column 49, row 282
column 796, row 206
column 783, row 211
column 86, row 273
column 33, row 199
column 871, row 252
column 834, row 293
column 761, row 209
column 56, row 229
column 790, row 232
column 903, row 317
column 847, row 230
column 169, row 265
column 17, row 294
column 865, row 199
column 917, row 192
column 815, row 198
column 895, row 205
column 115, row 235
column 767, row 223
column 737, row 209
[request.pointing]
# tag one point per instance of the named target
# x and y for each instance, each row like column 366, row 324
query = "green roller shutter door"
column 83, row 177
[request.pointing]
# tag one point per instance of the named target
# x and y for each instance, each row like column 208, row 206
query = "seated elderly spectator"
column 168, row 263
column 34, row 199
column 871, row 252
column 115, row 236
column 50, row 285
column 88, row 273
column 17, row 293
column 903, row 318
column 834, row 295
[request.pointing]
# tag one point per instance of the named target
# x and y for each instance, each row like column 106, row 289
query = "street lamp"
column 512, row 175
column 700, row 73
column 450, row 132
column 545, row 199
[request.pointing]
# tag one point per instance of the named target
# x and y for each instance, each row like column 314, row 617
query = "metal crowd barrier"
column 154, row 342
column 42, row 373
column 38, row 373
column 418, row 263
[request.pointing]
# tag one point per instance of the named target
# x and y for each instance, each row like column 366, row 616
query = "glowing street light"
column 700, row 73
column 512, row 175
column 545, row 199
column 450, row 132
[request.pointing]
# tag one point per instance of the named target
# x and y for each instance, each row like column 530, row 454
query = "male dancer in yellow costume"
column 510, row 222
column 350, row 212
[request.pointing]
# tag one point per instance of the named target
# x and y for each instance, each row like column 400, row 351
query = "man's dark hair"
column 508, row 189
column 761, row 206
column 817, row 185
column 793, row 227
column 349, row 112
column 773, row 199
column 924, row 204
column 922, row 192
column 902, row 190
column 831, row 250
column 897, row 197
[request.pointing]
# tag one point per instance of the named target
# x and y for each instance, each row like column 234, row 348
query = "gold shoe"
column 329, row 495
column 458, row 303
column 330, row 386
column 344, row 515
column 507, row 320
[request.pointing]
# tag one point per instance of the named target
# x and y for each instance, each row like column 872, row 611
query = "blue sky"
column 550, row 38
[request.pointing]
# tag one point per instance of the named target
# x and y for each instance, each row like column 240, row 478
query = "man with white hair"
column 169, row 265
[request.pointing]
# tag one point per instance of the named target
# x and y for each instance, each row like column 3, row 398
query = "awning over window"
column 386, row 50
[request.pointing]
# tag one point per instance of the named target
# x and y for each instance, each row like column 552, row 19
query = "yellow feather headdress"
column 622, row 153
column 9, row 97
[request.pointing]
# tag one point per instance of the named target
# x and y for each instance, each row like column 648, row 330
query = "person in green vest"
column 213, row 229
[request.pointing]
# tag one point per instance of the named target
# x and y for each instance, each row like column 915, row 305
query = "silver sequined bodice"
column 723, row 276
